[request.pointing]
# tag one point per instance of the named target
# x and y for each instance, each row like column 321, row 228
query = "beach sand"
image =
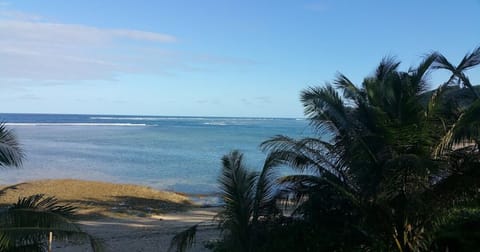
column 123, row 217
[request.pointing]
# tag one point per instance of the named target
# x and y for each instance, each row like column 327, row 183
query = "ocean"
column 164, row 152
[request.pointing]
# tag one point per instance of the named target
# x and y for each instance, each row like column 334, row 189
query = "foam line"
column 76, row 124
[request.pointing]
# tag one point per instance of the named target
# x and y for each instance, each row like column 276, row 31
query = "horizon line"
column 150, row 115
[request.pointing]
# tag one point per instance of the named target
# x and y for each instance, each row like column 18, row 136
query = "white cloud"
column 36, row 49
column 40, row 32
column 53, row 51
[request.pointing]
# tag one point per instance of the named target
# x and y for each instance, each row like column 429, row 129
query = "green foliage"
column 237, row 186
column 249, row 200
column 460, row 231
column 394, row 163
column 10, row 152
column 390, row 165
column 25, row 226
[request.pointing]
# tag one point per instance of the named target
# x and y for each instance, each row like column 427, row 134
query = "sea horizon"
column 154, row 115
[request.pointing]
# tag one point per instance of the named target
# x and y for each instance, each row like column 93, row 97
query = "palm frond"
column 435, row 102
column 350, row 91
column 466, row 82
column 237, row 186
column 11, row 154
column 460, row 180
column 183, row 240
column 265, row 188
column 406, row 175
column 42, row 203
column 325, row 108
column 465, row 131
column 441, row 62
column 28, row 222
column 303, row 181
column 470, row 60
column 419, row 73
column 307, row 155
column 303, row 154
column 387, row 66
column 294, row 191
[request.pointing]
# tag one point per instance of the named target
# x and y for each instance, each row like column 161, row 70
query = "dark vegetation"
column 393, row 167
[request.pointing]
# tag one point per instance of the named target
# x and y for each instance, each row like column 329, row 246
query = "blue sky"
column 211, row 58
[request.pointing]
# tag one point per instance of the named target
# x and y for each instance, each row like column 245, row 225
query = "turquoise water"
column 174, row 153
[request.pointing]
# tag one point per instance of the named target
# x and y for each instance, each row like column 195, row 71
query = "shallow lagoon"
column 174, row 153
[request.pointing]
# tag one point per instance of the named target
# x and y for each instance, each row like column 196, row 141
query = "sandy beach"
column 123, row 217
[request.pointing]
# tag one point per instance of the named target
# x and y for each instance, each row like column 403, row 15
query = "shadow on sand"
column 126, row 223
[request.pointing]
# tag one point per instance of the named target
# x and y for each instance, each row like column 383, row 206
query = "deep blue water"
column 164, row 152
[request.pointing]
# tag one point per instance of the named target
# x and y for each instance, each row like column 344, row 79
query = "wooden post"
column 50, row 239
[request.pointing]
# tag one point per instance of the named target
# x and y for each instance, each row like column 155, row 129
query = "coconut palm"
column 390, row 163
column 384, row 158
column 248, row 201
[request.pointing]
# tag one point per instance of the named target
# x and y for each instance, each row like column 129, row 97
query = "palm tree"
column 26, row 225
column 384, row 158
column 248, row 201
column 391, row 163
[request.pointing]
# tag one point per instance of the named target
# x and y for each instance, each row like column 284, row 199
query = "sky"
column 212, row 57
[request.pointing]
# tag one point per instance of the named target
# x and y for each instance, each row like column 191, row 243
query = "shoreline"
column 106, row 199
